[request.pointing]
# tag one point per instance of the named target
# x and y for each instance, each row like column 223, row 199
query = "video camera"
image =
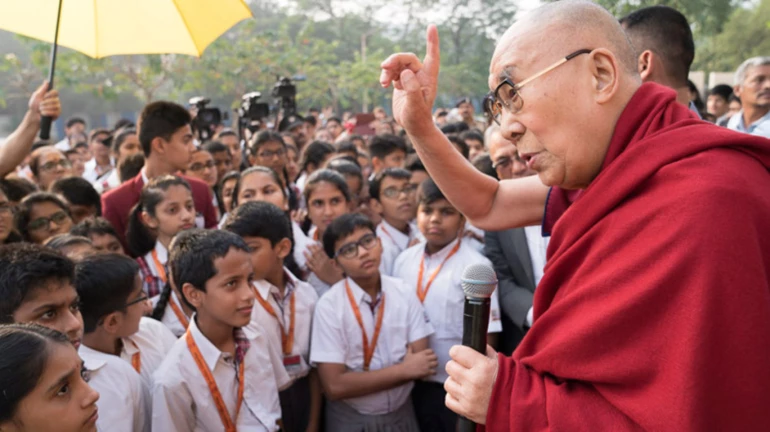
column 252, row 113
column 206, row 119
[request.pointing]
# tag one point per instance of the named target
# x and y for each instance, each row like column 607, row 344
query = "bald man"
column 663, row 43
column 654, row 309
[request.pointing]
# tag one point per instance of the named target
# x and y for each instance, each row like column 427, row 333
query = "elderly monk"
column 654, row 310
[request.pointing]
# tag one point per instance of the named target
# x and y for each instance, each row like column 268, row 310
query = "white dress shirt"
column 169, row 318
column 301, row 242
column 182, row 401
column 538, row 245
column 445, row 300
column 90, row 172
column 111, row 182
column 153, row 341
column 124, row 402
column 162, row 254
column 393, row 243
column 337, row 336
column 304, row 304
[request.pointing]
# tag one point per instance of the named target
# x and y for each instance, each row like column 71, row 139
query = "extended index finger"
column 432, row 54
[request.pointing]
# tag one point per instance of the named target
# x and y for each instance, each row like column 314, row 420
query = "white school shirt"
column 304, row 304
column 169, row 318
column 152, row 341
column 111, row 182
column 124, row 402
column 393, row 243
column 445, row 300
column 162, row 253
column 301, row 242
column 337, row 336
column 90, row 174
column 320, row 286
column 182, row 402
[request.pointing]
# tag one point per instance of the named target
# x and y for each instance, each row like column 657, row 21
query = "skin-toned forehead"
column 498, row 144
column 555, row 30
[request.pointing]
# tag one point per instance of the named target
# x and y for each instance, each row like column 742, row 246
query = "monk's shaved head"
column 569, row 25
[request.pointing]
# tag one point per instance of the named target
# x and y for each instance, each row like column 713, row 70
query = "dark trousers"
column 432, row 414
column 295, row 406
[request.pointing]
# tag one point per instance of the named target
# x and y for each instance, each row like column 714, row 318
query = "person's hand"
column 299, row 215
column 471, row 379
column 415, row 85
column 320, row 264
column 44, row 102
column 420, row 364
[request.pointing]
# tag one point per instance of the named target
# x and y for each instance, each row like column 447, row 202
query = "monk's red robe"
column 654, row 310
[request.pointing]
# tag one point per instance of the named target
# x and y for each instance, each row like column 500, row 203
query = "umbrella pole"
column 45, row 122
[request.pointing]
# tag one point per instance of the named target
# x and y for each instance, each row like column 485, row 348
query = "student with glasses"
column 49, row 164
column 8, row 233
column 42, row 215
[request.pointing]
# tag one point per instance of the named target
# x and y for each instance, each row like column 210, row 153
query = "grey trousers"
column 341, row 417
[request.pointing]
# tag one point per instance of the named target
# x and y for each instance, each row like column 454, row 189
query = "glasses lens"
column 368, row 241
column 5, row 208
column 349, row 250
column 38, row 224
column 410, row 189
column 59, row 217
column 196, row 167
column 390, row 192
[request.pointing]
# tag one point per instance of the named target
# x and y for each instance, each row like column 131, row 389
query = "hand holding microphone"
column 472, row 374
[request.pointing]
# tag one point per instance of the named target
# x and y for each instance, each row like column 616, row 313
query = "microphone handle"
column 45, row 127
column 475, row 324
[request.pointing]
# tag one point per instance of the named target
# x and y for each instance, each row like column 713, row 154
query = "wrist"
column 32, row 118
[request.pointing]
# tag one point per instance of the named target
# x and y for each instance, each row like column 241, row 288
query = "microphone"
column 479, row 282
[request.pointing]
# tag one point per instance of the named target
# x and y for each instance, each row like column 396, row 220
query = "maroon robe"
column 654, row 310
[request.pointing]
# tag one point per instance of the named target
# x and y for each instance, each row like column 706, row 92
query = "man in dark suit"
column 513, row 253
column 167, row 142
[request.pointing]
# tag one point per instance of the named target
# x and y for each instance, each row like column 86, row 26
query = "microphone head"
column 479, row 281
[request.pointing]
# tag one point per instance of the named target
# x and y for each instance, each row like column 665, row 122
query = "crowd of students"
column 279, row 284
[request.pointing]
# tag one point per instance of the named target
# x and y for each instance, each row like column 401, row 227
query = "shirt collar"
column 750, row 128
column 264, row 288
column 359, row 294
column 129, row 347
column 162, row 252
column 92, row 359
column 145, row 180
column 401, row 239
column 210, row 353
column 442, row 254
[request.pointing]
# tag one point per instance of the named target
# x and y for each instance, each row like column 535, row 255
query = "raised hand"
column 415, row 84
column 44, row 102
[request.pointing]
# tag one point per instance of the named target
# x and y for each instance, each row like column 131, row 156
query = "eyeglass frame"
column 491, row 98
column 407, row 190
column 63, row 163
column 48, row 220
column 359, row 244
column 267, row 154
column 200, row 166
column 143, row 298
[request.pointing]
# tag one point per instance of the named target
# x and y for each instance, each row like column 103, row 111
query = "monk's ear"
column 646, row 65
column 606, row 72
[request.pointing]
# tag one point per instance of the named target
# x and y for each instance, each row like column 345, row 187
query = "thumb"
column 43, row 88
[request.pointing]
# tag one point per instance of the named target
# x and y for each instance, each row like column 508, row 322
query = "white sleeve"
column 495, row 323
column 327, row 344
column 123, row 403
column 282, row 379
column 172, row 408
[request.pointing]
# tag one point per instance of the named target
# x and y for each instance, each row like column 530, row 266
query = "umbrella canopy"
column 101, row 28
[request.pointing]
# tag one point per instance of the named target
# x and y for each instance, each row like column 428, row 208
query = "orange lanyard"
column 178, row 312
column 158, row 266
column 315, row 235
column 368, row 349
column 422, row 293
column 287, row 339
column 384, row 231
column 224, row 415
column 136, row 362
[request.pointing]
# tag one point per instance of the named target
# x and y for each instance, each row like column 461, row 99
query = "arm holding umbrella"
column 17, row 146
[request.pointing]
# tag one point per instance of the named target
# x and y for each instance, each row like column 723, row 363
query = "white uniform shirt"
column 301, row 242
column 169, row 318
column 90, row 174
column 111, row 182
column 124, row 402
column 304, row 305
column 153, row 341
column 445, row 300
column 162, row 254
column 337, row 336
column 537, row 249
column 393, row 243
column 182, row 402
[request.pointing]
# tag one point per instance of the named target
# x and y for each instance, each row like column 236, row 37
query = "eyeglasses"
column 506, row 94
column 143, row 298
column 223, row 163
column 199, row 166
column 393, row 192
column 44, row 222
column 6, row 208
column 350, row 250
column 268, row 153
column 50, row 166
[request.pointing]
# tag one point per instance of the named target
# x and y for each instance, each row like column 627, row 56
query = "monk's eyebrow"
column 506, row 73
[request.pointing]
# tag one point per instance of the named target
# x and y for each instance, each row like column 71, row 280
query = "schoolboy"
column 284, row 308
column 392, row 197
column 120, row 353
column 220, row 374
column 370, row 336
column 433, row 270
column 387, row 151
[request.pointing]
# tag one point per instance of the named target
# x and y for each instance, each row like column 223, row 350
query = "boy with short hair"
column 433, row 270
column 392, row 197
column 120, row 344
column 36, row 286
column 370, row 336
column 387, row 151
column 101, row 233
column 223, row 160
column 221, row 374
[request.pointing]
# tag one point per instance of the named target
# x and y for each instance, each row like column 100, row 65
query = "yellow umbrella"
column 101, row 28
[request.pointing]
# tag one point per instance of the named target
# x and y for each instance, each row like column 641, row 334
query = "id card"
column 292, row 363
